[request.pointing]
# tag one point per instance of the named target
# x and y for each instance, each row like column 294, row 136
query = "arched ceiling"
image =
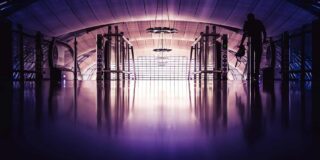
column 57, row 17
column 60, row 17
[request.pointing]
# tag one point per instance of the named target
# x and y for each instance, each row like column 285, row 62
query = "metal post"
column 134, row 66
column 315, row 75
column 99, row 50
column 21, row 53
column 273, row 57
column 214, row 49
column 249, row 62
column 200, row 56
column 190, row 63
column 53, row 71
column 315, row 54
column 195, row 60
column 123, row 52
column 117, row 52
column 224, row 53
column 206, row 50
column 75, row 65
column 39, row 57
column 303, row 57
column 218, row 59
column 107, row 55
column 128, row 54
column 285, row 56
column 6, row 52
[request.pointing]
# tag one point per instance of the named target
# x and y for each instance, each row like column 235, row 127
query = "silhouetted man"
column 254, row 29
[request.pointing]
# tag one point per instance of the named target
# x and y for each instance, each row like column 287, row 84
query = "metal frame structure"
column 200, row 53
column 114, row 44
column 34, row 51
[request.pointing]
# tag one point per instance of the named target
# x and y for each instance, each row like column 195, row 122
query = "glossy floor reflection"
column 159, row 120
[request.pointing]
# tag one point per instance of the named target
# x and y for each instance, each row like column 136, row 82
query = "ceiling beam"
column 312, row 6
column 8, row 7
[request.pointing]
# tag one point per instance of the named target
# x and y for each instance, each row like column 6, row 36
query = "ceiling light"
column 162, row 50
column 162, row 30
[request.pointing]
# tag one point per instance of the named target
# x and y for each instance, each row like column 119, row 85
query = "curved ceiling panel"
column 146, row 42
column 57, row 17
column 60, row 18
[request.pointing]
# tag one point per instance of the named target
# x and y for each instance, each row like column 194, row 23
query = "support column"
column 224, row 53
column 189, row 71
column 249, row 61
column 285, row 57
column 99, row 50
column 303, row 56
column 134, row 66
column 107, row 55
column 218, row 61
column 315, row 76
column 206, row 50
column 6, row 77
column 195, row 60
column 123, row 52
column 21, row 53
column 200, row 57
column 55, row 74
column 117, row 52
column 75, row 73
column 316, row 53
column 214, row 53
column 39, row 57
column 128, row 59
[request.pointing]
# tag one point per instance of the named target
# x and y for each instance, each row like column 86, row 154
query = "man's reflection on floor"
column 253, row 125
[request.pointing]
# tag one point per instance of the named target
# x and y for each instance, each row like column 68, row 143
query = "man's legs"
column 258, row 53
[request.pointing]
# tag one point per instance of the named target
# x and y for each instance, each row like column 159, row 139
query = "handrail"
column 207, row 71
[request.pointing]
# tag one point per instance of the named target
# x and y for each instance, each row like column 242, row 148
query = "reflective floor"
column 159, row 120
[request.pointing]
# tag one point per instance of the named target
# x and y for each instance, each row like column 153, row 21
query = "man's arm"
column 245, row 34
column 243, row 38
column 264, row 32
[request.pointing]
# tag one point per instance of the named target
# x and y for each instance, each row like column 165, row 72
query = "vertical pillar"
column 315, row 75
column 218, row 60
column 206, row 52
column 134, row 65
column 99, row 50
column 189, row 71
column 21, row 53
column 6, row 77
column 249, row 65
column 214, row 49
column 303, row 56
column 107, row 55
column 224, row 53
column 117, row 52
column 128, row 59
column 273, row 54
column 123, row 52
column 75, row 64
column 55, row 74
column 252, row 60
column 316, row 53
column 285, row 57
column 273, row 59
column 195, row 61
column 39, row 57
column 200, row 57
